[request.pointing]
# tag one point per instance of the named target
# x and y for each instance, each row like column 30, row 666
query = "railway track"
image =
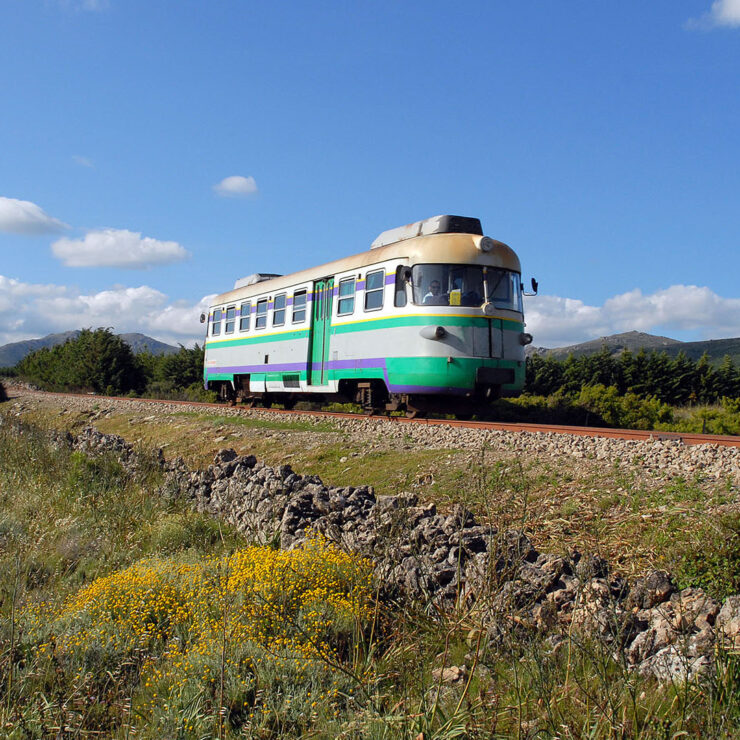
column 627, row 434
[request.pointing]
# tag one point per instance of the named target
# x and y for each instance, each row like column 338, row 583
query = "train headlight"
column 525, row 338
column 489, row 309
column 486, row 244
column 433, row 332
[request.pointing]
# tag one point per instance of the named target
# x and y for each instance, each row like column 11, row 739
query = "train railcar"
column 428, row 319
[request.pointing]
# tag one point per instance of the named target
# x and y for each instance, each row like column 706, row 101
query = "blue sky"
column 152, row 152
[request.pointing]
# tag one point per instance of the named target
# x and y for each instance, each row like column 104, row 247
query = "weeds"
column 125, row 614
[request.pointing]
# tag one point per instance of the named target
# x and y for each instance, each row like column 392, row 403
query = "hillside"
column 634, row 341
column 11, row 354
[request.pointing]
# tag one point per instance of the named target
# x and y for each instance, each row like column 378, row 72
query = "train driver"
column 435, row 297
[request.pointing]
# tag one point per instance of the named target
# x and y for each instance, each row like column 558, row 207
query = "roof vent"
column 257, row 277
column 434, row 225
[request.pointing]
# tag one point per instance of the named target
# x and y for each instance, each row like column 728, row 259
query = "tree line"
column 677, row 381
column 99, row 361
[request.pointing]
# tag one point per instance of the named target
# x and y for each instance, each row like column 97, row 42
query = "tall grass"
column 125, row 614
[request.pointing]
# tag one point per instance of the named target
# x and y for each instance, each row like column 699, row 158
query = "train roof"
column 435, row 225
column 436, row 247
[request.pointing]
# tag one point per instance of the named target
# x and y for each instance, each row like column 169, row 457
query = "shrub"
column 194, row 638
column 711, row 559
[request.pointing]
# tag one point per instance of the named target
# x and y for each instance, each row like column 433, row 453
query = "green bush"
column 183, row 531
column 629, row 410
column 97, row 361
column 711, row 559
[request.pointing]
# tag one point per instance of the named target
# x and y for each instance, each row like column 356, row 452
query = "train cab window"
column 244, row 314
column 346, row 302
column 216, row 323
column 260, row 321
column 402, row 276
column 299, row 306
column 374, row 286
column 230, row 319
column 278, row 314
column 466, row 285
column 504, row 289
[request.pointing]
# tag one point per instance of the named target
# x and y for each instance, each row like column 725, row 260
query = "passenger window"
column 260, row 321
column 402, row 275
column 278, row 314
column 346, row 303
column 244, row 313
column 216, row 325
column 299, row 306
column 374, row 284
column 230, row 319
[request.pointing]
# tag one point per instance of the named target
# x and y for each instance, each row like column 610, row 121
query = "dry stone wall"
column 446, row 561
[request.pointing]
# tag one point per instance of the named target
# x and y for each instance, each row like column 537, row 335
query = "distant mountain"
column 717, row 349
column 142, row 343
column 634, row 341
column 11, row 354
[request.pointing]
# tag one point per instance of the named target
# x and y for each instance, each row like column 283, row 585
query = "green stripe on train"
column 435, row 372
column 260, row 339
column 372, row 325
column 398, row 321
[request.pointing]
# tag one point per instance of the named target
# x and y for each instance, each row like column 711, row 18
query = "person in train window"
column 435, row 297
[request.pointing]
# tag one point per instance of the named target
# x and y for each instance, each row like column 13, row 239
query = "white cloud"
column 89, row 5
column 557, row 322
column 24, row 217
column 723, row 13
column 83, row 161
column 117, row 248
column 236, row 186
column 33, row 310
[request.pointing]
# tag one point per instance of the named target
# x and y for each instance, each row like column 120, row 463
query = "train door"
column 488, row 340
column 320, row 332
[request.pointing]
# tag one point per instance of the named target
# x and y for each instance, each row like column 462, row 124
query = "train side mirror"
column 535, row 285
column 202, row 318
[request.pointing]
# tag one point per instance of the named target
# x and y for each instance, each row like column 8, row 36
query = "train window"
column 346, row 302
column 466, row 285
column 402, row 275
column 244, row 313
column 216, row 325
column 374, row 286
column 504, row 289
column 299, row 306
column 260, row 321
column 230, row 319
column 278, row 314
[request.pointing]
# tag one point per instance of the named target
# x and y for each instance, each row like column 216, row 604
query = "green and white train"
column 428, row 319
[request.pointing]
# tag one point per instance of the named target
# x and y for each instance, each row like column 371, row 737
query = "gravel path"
column 661, row 458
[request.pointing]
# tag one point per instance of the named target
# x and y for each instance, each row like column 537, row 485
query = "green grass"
column 67, row 520
column 289, row 425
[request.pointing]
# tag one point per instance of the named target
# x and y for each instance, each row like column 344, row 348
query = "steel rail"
column 685, row 438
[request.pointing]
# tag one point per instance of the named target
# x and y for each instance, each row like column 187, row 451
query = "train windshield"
column 462, row 285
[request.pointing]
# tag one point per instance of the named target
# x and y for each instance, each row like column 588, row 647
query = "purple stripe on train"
column 368, row 363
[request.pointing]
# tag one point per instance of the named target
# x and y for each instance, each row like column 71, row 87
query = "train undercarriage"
column 371, row 396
